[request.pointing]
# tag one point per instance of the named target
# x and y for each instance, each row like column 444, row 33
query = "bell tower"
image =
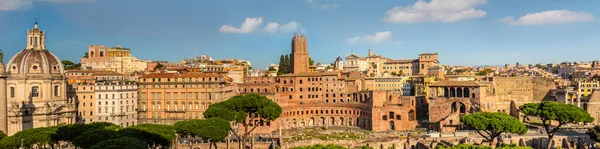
column 36, row 39
column 299, row 56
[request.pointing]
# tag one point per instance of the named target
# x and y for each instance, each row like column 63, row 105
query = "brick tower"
column 299, row 55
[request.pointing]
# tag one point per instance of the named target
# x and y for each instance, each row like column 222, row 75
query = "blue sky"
column 463, row 32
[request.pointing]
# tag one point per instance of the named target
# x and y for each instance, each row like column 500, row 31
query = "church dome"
column 35, row 59
column 31, row 61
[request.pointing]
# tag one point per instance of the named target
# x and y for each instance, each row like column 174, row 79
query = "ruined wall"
column 521, row 90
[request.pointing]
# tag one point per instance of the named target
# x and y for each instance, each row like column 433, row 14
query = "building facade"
column 35, row 87
column 330, row 98
column 165, row 98
column 117, row 59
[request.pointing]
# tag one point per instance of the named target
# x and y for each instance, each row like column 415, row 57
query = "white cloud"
column 11, row 5
column 272, row 27
column 379, row 37
column 436, row 11
column 314, row 4
column 549, row 17
column 252, row 25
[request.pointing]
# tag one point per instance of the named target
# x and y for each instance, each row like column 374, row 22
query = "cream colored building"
column 35, row 88
column 117, row 59
column 116, row 103
column 385, row 83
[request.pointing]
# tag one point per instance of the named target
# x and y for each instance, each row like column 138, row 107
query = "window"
column 56, row 91
column 12, row 92
column 35, row 91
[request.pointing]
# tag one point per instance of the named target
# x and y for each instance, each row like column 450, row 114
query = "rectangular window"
column 167, row 95
column 35, row 91
column 56, row 91
column 12, row 92
column 384, row 117
column 196, row 95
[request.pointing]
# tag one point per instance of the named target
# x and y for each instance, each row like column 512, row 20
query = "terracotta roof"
column 97, row 72
column 455, row 83
column 312, row 74
column 398, row 61
column 180, row 75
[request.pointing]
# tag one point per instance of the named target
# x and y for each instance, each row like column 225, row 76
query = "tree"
column 553, row 111
column 310, row 62
column 91, row 137
column 400, row 73
column 85, row 55
column 120, row 143
column 2, row 135
column 214, row 129
column 257, row 108
column 154, row 135
column 158, row 66
column 40, row 137
column 68, row 64
column 272, row 69
column 491, row 125
column 459, row 71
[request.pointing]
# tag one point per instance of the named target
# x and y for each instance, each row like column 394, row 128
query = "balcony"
column 174, row 111
column 117, row 114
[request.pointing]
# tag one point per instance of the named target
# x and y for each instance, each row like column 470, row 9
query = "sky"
column 463, row 32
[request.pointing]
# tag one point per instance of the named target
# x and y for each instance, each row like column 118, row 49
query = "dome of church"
column 35, row 59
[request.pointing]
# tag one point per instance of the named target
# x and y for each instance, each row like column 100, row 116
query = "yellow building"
column 585, row 88
column 118, row 52
column 166, row 98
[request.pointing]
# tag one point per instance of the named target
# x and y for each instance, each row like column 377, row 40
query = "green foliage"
column 121, row 143
column 594, row 133
column 212, row 128
column 2, row 135
column 160, row 135
column 319, row 146
column 94, row 136
column 493, row 124
column 310, row 62
column 239, row 108
column 158, row 66
column 284, row 65
column 563, row 113
column 553, row 111
column 68, row 65
column 36, row 136
column 69, row 132
column 272, row 69
column 86, row 55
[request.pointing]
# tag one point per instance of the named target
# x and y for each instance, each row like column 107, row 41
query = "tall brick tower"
column 299, row 55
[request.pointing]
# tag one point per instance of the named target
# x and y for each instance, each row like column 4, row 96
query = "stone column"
column 3, row 101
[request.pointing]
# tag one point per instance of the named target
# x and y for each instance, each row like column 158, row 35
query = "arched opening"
column 311, row 122
column 411, row 115
column 392, row 126
column 459, row 92
column 467, row 92
column 453, row 107
column 463, row 108
column 323, row 122
column 331, row 121
column 341, row 122
column 446, row 92
column 101, row 53
column 452, row 92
